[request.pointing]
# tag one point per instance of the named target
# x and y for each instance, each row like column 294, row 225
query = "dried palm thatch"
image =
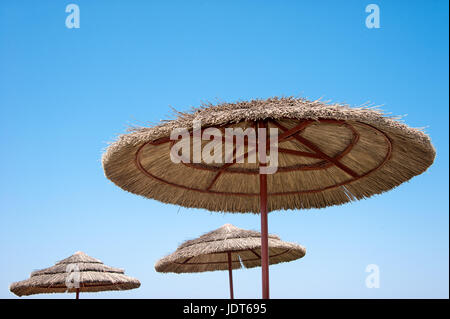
column 328, row 155
column 227, row 247
column 91, row 274
column 210, row 251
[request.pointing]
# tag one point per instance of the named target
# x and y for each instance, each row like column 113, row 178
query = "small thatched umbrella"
column 77, row 273
column 226, row 248
column 327, row 155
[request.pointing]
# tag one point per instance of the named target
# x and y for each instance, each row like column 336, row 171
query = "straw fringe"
column 210, row 251
column 412, row 154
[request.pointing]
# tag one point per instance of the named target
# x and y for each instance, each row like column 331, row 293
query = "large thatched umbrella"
column 327, row 155
column 77, row 273
column 227, row 248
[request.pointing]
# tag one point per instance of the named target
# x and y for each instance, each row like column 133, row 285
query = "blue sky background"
column 64, row 93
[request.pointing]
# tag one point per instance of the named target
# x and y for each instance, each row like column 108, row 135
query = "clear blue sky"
column 65, row 93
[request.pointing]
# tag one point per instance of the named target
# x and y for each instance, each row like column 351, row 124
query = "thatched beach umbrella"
column 226, row 248
column 327, row 155
column 77, row 273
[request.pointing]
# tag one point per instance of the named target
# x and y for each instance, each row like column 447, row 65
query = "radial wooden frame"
column 287, row 134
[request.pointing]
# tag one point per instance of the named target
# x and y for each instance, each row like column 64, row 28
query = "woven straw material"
column 94, row 277
column 355, row 153
column 210, row 251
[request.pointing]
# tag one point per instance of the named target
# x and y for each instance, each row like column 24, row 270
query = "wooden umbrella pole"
column 77, row 296
column 264, row 227
column 264, row 236
column 230, row 275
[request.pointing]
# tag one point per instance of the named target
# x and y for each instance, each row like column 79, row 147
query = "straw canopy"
column 209, row 252
column 327, row 155
column 94, row 276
